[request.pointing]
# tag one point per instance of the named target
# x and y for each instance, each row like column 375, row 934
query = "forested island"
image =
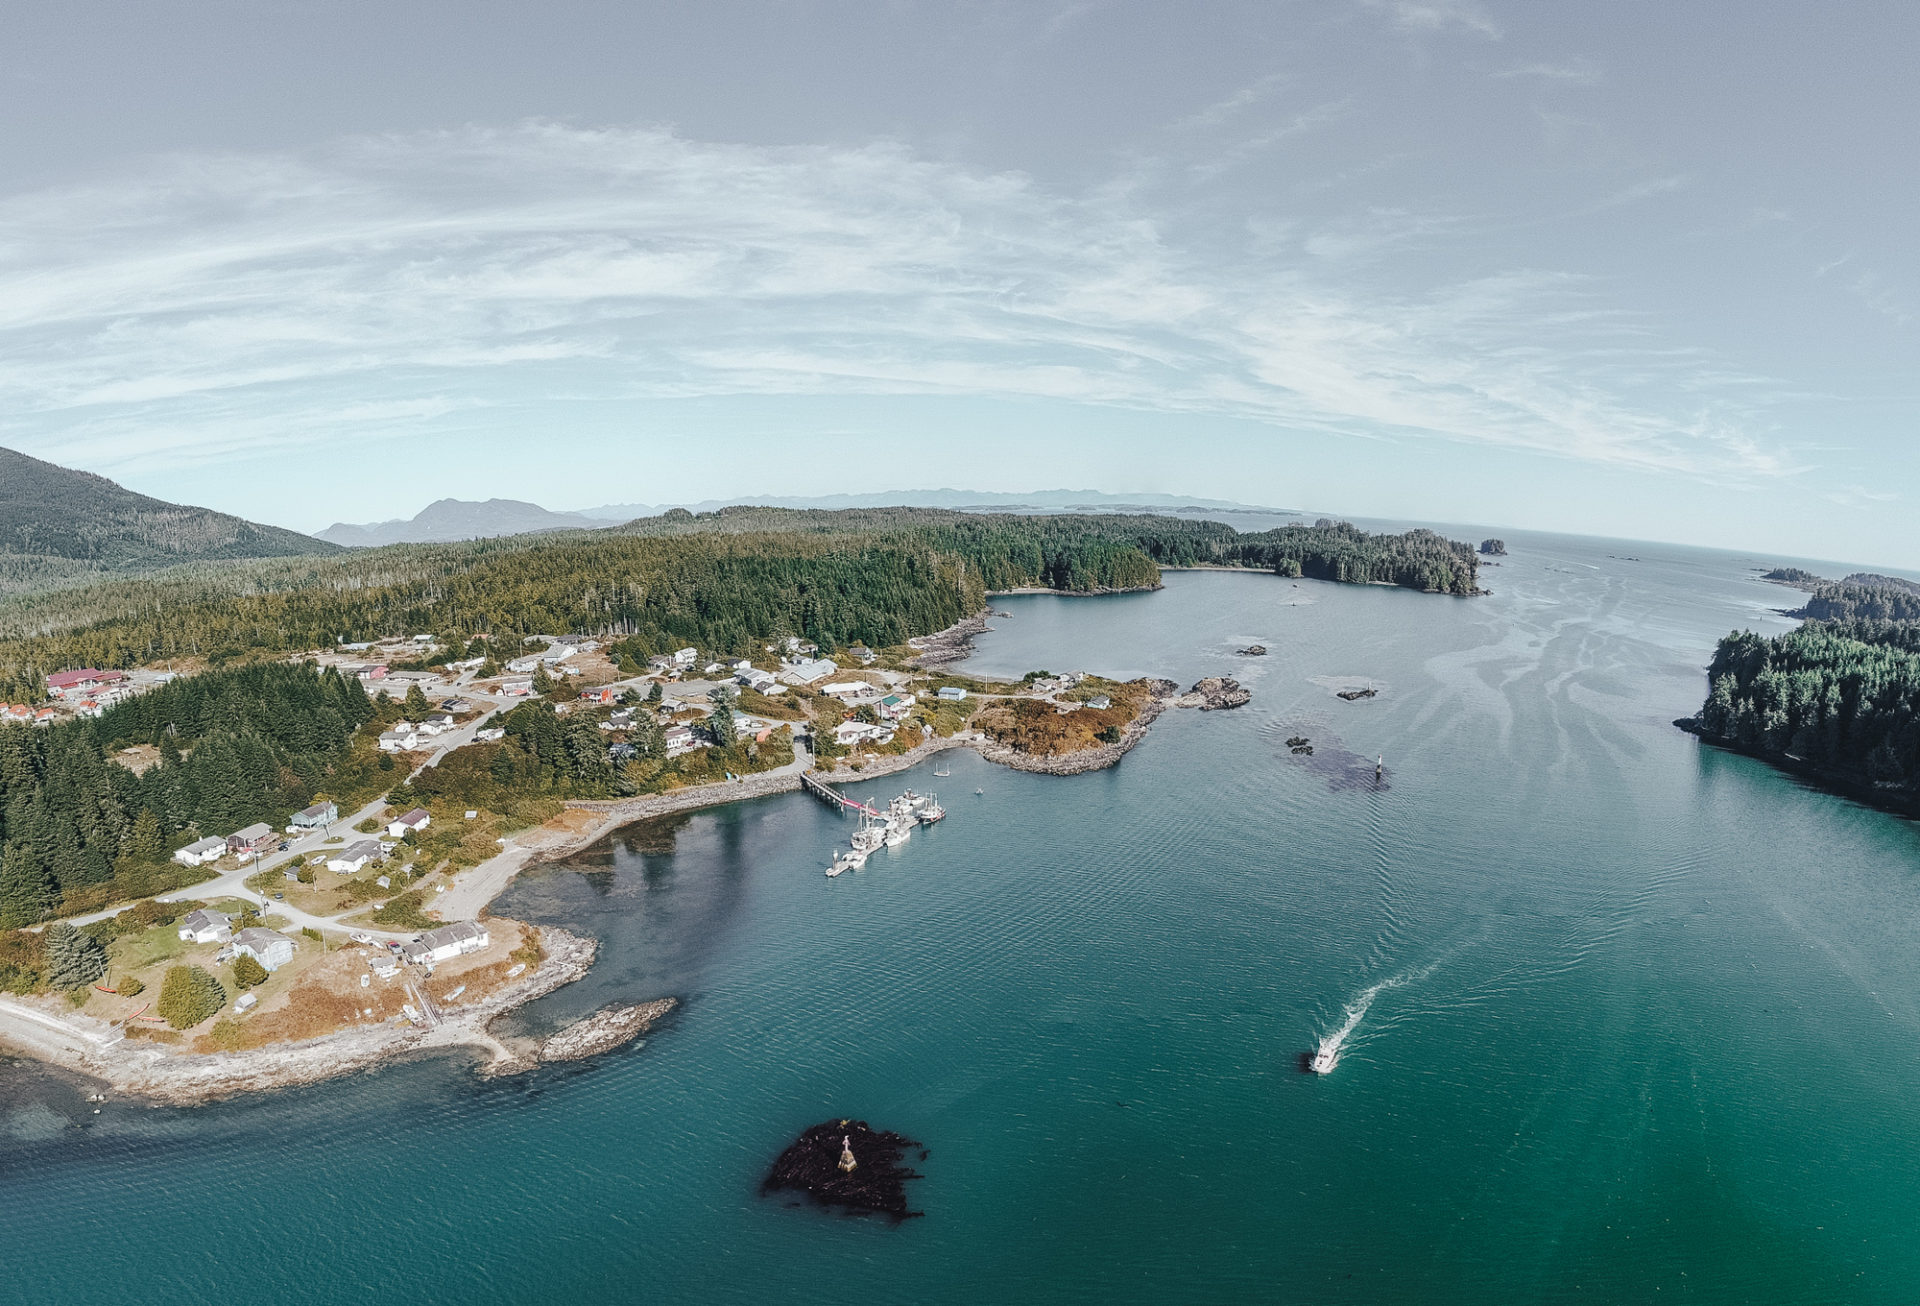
column 1838, row 699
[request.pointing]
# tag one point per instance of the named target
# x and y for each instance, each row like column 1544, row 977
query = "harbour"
column 1626, row 1039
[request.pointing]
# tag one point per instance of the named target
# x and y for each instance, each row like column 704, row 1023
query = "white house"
column 755, row 679
column 354, row 857
column 402, row 740
column 952, row 694
column 680, row 739
column 525, row 664
column 383, row 963
column 859, row 732
column 202, row 925
column 492, row 734
column 895, row 707
column 201, row 851
column 804, row 671
column 685, row 657
column 417, row 819
column 270, row 948
column 446, row 943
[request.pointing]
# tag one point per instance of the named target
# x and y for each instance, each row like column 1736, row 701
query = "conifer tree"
column 26, row 890
column 74, row 959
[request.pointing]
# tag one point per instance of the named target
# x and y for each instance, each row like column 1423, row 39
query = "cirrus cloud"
column 227, row 301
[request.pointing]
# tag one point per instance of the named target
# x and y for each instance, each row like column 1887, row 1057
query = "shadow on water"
column 1304, row 742
column 661, row 897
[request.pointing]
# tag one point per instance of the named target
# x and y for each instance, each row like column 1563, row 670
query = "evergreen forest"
column 236, row 746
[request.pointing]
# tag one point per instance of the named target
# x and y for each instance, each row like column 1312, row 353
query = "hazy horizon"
column 1633, row 272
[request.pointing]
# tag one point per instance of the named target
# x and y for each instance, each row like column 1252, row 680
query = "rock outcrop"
column 1215, row 694
column 605, row 1030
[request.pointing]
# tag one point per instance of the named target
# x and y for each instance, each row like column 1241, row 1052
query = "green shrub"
column 188, row 995
column 406, row 912
column 248, row 972
column 130, row 986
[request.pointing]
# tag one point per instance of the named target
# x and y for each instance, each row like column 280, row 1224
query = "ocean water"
column 1638, row 1021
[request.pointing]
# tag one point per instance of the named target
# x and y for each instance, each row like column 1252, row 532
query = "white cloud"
column 1574, row 72
column 218, row 304
column 1440, row 15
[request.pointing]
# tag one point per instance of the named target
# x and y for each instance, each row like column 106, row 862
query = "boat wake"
column 1326, row 1056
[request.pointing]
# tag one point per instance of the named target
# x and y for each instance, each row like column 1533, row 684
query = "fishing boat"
column 851, row 860
column 868, row 837
column 932, row 811
column 899, row 830
column 944, row 773
column 1325, row 1058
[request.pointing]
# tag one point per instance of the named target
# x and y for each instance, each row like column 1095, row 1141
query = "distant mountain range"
column 60, row 526
column 464, row 519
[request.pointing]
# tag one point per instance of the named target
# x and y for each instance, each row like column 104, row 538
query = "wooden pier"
column 826, row 793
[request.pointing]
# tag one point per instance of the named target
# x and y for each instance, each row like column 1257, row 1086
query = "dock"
column 826, row 793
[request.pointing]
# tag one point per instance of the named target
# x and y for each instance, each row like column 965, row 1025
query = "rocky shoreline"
column 946, row 647
column 174, row 1077
column 612, row 1026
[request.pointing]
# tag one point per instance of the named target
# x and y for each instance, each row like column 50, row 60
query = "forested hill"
column 1850, row 600
column 718, row 581
column 57, row 524
column 1842, row 698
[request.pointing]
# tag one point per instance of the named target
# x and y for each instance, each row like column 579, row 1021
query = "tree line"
column 1843, row 696
column 718, row 581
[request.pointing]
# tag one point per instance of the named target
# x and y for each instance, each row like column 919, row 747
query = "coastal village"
column 357, row 915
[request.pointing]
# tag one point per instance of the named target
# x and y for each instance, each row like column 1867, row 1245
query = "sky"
column 1643, row 270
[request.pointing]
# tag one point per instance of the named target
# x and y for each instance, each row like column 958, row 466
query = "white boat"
column 943, row 774
column 852, row 860
column 898, row 832
column 932, row 811
column 1324, row 1059
column 868, row 837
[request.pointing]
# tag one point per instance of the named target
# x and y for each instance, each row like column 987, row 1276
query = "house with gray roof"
column 202, row 925
column 270, row 948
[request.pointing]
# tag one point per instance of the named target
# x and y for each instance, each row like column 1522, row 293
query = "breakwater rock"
column 1214, row 694
column 605, row 1030
column 817, row 1165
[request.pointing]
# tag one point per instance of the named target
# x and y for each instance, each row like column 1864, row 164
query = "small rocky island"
column 1254, row 651
column 1215, row 694
column 849, row 1164
column 1494, row 548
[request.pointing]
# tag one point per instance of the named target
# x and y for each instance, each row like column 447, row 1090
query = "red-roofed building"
column 83, row 682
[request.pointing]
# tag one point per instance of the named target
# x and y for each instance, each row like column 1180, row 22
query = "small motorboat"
column 1324, row 1058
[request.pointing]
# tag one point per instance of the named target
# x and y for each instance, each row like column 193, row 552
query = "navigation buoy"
column 846, row 1156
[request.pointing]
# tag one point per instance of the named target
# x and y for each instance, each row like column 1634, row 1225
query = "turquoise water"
column 1645, row 1025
